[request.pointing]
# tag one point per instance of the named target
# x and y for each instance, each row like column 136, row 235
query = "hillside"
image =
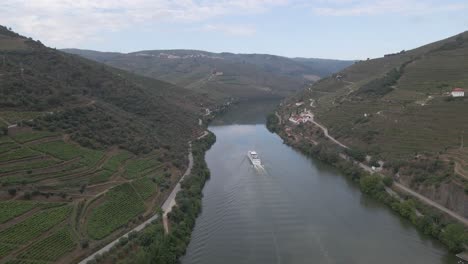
column 86, row 151
column 222, row 75
column 397, row 109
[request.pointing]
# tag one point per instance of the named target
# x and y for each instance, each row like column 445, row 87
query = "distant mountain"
column 221, row 74
column 398, row 108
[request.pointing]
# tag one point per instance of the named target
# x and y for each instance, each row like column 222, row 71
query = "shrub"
column 370, row 184
column 84, row 243
column 12, row 191
column 388, row 181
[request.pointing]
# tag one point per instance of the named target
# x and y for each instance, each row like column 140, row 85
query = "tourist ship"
column 253, row 157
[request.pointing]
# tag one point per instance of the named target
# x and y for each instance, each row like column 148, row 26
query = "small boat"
column 253, row 157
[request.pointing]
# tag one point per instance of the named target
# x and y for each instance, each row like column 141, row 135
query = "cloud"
column 378, row 7
column 66, row 23
column 231, row 30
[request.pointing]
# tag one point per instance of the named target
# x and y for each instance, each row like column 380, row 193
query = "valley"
column 104, row 156
column 222, row 75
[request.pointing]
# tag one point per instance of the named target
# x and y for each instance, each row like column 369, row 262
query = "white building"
column 458, row 92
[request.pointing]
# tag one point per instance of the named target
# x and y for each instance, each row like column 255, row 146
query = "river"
column 296, row 210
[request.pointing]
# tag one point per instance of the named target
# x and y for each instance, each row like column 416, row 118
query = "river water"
column 295, row 210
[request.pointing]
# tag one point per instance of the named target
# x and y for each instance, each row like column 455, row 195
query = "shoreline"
column 350, row 168
column 166, row 207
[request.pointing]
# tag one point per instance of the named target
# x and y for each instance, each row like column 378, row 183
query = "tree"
column 388, row 181
column 454, row 237
column 12, row 191
column 27, row 195
column 370, row 184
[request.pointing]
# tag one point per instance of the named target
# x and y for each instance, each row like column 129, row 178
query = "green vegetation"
column 151, row 245
column 243, row 75
column 101, row 176
column 120, row 206
column 65, row 151
column 20, row 153
column 373, row 185
column 135, row 168
column 5, row 139
column 11, row 209
column 381, row 86
column 272, row 123
column 34, row 226
column 115, row 161
column 398, row 110
column 5, row 147
column 27, row 166
column 5, row 249
column 72, row 115
column 32, row 135
column 52, row 247
column 145, row 187
column 14, row 116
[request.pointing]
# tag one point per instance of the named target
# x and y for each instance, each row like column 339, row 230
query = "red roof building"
column 458, row 92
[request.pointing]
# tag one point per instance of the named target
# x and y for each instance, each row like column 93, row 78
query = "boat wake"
column 260, row 168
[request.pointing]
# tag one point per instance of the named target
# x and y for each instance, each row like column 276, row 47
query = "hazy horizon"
column 333, row 29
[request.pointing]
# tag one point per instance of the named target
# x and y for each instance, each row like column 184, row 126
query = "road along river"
column 295, row 210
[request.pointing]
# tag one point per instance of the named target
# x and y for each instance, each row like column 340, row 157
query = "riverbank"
column 152, row 242
column 425, row 218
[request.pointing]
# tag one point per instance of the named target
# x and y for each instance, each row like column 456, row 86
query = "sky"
column 334, row 29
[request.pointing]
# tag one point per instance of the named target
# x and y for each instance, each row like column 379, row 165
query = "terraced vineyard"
column 46, row 181
column 145, row 187
column 121, row 205
column 74, row 136
column 139, row 167
column 52, row 247
column 11, row 209
column 398, row 109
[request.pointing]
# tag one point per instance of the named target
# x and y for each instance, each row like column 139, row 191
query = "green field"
column 27, row 136
column 5, row 249
column 136, row 168
column 65, row 151
column 101, row 176
column 115, row 161
column 20, row 153
column 145, row 187
column 11, row 209
column 34, row 226
column 5, row 139
column 16, row 116
column 121, row 205
column 52, row 247
column 27, row 166
column 8, row 146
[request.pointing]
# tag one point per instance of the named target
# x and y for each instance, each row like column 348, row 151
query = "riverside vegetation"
column 152, row 245
column 428, row 220
column 395, row 114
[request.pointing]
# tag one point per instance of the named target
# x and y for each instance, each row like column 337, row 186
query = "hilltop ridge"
column 398, row 109
column 243, row 76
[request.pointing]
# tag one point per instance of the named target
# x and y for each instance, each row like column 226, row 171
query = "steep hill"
column 222, row 74
column 87, row 151
column 398, row 109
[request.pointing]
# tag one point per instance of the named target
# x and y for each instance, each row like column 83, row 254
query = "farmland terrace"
column 60, row 200
column 86, row 151
column 398, row 110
